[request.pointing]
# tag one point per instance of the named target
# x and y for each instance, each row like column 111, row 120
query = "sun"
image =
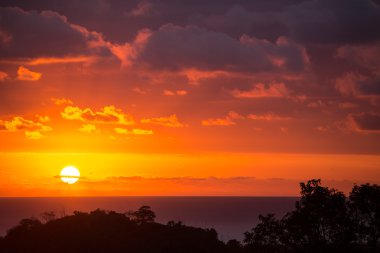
column 70, row 175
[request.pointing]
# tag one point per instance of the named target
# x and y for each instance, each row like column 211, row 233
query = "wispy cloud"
column 3, row 76
column 135, row 131
column 25, row 74
column 228, row 120
column 267, row 117
column 170, row 121
column 108, row 114
column 62, row 101
column 261, row 90
column 88, row 128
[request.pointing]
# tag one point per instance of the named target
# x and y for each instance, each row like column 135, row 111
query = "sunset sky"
column 188, row 97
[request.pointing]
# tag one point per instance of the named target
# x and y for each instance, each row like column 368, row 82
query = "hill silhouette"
column 324, row 220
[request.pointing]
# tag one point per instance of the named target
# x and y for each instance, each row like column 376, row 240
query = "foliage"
column 364, row 203
column 109, row 231
column 324, row 220
column 143, row 215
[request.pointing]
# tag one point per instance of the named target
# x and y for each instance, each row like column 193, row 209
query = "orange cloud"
column 260, row 90
column 171, row 121
column 108, row 114
column 32, row 129
column 25, row 74
column 173, row 93
column 61, row 101
column 127, row 53
column 34, row 135
column 228, row 120
column 57, row 60
column 194, row 75
column 135, row 131
column 267, row 117
column 88, row 128
column 3, row 76
column 43, row 119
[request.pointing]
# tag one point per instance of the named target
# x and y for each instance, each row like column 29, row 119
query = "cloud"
column 173, row 93
column 59, row 60
column 363, row 56
column 359, row 86
column 34, row 135
column 260, row 90
column 108, row 114
column 176, row 48
column 238, row 20
column 32, row 129
column 135, row 131
column 195, row 75
column 128, row 52
column 347, row 105
column 368, row 122
column 268, row 117
column 330, row 22
column 170, row 121
column 3, row 76
column 61, row 101
column 47, row 34
column 218, row 186
column 228, row 120
column 142, row 9
column 231, row 117
column 88, row 128
column 316, row 104
column 25, row 74
column 43, row 119
column 19, row 123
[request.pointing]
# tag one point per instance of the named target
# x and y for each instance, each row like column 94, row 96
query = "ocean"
column 230, row 216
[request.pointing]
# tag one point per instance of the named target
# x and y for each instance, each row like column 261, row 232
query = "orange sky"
column 213, row 101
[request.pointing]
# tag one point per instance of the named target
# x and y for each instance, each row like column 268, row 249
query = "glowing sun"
column 69, row 174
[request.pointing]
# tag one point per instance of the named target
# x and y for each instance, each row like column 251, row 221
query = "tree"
column 48, row 216
column 321, row 219
column 24, row 226
column 266, row 236
column 364, row 203
column 143, row 215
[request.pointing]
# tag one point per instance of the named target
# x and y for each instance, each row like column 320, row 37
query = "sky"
column 188, row 97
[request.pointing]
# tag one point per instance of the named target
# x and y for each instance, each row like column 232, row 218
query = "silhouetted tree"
column 143, row 215
column 364, row 203
column 234, row 246
column 320, row 221
column 25, row 225
column 48, row 216
column 266, row 236
column 111, row 232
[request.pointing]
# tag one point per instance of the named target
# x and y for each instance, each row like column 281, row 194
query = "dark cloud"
column 369, row 122
column 238, row 21
column 175, row 47
column 334, row 21
column 110, row 17
column 44, row 34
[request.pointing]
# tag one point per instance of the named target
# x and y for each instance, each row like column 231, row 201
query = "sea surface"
column 230, row 216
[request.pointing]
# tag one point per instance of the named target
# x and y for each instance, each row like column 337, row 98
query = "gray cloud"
column 334, row 21
column 175, row 47
column 45, row 34
column 367, row 121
